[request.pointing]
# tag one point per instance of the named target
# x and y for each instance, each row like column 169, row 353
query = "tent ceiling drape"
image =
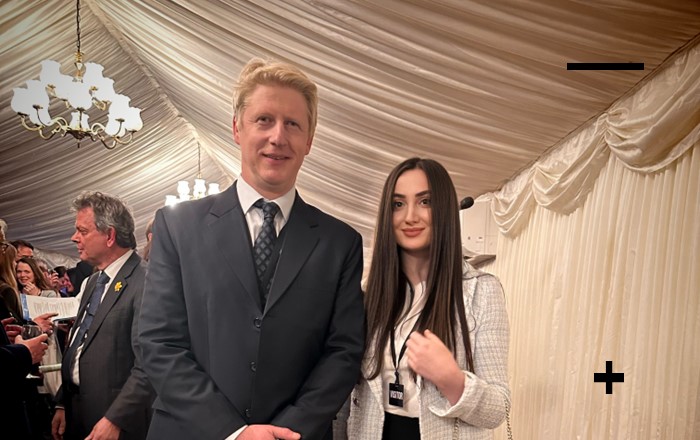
column 480, row 86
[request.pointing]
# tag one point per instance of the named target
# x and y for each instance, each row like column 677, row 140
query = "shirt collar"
column 113, row 269
column 247, row 196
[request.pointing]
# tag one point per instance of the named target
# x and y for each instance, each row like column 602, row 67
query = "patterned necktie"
column 265, row 241
column 95, row 298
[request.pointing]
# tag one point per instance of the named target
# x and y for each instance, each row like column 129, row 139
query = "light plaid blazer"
column 482, row 405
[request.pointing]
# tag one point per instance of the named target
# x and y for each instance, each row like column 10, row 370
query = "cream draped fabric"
column 615, row 280
column 600, row 261
column 645, row 131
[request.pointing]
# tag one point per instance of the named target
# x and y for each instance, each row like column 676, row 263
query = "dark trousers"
column 75, row 426
column 400, row 428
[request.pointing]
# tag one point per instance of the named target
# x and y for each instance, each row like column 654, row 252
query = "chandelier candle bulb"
column 214, row 188
column 183, row 187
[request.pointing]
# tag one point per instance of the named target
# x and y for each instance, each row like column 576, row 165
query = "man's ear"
column 111, row 236
column 308, row 145
column 235, row 131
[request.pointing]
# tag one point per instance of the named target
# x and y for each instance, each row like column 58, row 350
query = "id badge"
column 396, row 394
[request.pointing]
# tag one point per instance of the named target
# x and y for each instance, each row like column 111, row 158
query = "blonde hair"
column 7, row 278
column 8, row 253
column 259, row 72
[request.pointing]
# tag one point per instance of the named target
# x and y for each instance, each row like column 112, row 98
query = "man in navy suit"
column 254, row 348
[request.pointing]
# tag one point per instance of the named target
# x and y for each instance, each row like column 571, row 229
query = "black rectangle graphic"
column 604, row 66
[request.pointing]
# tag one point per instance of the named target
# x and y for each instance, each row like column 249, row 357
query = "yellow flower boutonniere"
column 118, row 286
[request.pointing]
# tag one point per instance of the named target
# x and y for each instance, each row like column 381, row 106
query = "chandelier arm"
column 97, row 128
column 56, row 129
column 109, row 147
column 45, row 137
column 26, row 125
column 57, row 124
column 58, row 120
column 97, row 135
column 123, row 140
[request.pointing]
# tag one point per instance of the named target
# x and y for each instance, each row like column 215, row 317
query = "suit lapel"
column 301, row 236
column 230, row 233
column 110, row 297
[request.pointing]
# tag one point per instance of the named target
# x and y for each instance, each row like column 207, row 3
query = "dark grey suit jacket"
column 112, row 383
column 216, row 359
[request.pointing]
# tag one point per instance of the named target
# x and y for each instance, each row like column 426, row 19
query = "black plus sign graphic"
column 608, row 377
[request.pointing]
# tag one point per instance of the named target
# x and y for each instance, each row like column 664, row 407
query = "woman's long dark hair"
column 385, row 296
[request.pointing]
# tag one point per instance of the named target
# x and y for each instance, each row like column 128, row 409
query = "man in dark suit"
column 105, row 393
column 16, row 360
column 252, row 325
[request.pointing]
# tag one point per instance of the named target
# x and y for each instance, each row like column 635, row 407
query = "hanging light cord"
column 199, row 161
column 77, row 22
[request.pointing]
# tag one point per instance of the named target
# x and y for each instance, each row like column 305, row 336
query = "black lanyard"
column 396, row 392
column 401, row 353
column 403, row 347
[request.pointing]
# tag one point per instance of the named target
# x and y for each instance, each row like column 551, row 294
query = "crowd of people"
column 246, row 318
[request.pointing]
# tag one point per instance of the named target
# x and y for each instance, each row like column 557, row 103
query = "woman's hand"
column 429, row 357
column 31, row 289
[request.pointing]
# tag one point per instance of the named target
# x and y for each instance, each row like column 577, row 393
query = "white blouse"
column 410, row 401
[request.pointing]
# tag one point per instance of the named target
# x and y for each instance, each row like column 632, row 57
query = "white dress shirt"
column 247, row 196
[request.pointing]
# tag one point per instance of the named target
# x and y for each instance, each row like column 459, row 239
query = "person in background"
column 10, row 306
column 3, row 230
column 105, row 393
column 31, row 279
column 437, row 329
column 65, row 287
column 78, row 274
column 254, row 348
column 24, row 249
column 50, row 275
column 16, row 359
column 149, row 240
column 34, row 422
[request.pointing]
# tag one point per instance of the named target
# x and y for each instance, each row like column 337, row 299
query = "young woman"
column 31, row 280
column 10, row 306
column 437, row 329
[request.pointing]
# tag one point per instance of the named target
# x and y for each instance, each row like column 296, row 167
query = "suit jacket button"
column 247, row 412
column 257, row 322
column 253, row 367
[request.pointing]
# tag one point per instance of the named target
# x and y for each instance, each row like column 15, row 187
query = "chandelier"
column 79, row 94
column 199, row 189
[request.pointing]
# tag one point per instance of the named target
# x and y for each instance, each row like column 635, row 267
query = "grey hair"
column 110, row 212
